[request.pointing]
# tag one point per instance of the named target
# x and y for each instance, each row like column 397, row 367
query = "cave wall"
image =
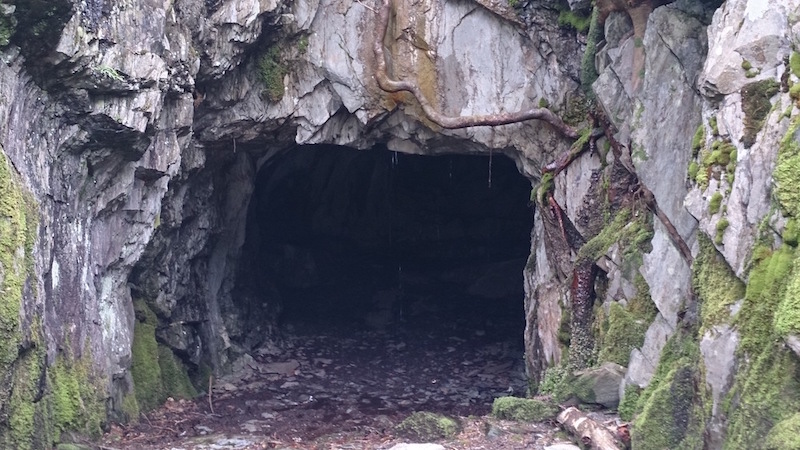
column 133, row 133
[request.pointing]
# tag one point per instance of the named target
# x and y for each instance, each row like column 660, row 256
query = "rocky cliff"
column 133, row 135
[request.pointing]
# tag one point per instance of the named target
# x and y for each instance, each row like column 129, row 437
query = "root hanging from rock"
column 583, row 296
column 648, row 196
column 388, row 84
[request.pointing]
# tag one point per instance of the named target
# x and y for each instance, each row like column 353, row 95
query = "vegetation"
column 625, row 327
column 673, row 409
column 794, row 64
column 272, row 70
column 523, row 409
column 756, row 105
column 574, row 20
column 156, row 373
column 715, row 284
column 714, row 203
column 427, row 426
column 595, row 35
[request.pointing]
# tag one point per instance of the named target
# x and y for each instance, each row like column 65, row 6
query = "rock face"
column 134, row 135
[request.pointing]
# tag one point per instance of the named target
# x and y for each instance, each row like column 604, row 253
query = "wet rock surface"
column 336, row 388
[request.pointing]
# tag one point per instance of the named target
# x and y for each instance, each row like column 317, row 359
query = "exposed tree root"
column 390, row 85
column 583, row 296
column 649, row 198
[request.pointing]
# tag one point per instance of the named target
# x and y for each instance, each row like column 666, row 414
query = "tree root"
column 388, row 84
column 649, row 197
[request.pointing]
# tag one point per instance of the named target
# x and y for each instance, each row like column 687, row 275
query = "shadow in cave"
column 396, row 280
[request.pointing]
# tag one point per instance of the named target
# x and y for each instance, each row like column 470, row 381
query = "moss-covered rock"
column 785, row 435
column 523, row 409
column 787, row 181
column 156, row 372
column 715, row 283
column 673, row 409
column 766, row 390
column 756, row 105
column 427, row 426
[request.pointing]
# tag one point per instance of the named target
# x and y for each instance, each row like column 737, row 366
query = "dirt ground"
column 348, row 390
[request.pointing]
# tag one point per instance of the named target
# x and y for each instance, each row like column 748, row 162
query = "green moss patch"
column 714, row 203
column 588, row 70
column 523, row 409
column 785, row 435
column 794, row 63
column 673, row 409
column 574, row 20
column 625, row 332
column 77, row 402
column 427, row 426
column 787, row 170
column 272, row 70
column 715, row 284
column 756, row 105
column 627, row 405
column 766, row 390
column 156, row 373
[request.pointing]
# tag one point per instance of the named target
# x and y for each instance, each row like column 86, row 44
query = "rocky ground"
column 349, row 390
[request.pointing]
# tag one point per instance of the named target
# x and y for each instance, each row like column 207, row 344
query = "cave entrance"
column 397, row 277
column 378, row 240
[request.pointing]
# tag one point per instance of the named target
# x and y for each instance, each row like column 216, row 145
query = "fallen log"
column 590, row 433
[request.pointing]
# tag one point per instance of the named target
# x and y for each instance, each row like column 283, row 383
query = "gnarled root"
column 390, row 85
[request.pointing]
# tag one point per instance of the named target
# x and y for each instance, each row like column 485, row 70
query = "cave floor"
column 338, row 389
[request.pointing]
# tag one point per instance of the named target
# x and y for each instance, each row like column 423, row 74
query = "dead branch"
column 390, row 85
column 210, row 403
column 590, row 433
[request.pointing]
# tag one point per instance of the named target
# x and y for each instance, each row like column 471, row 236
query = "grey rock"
column 561, row 447
column 748, row 30
column 600, row 385
column 644, row 361
column 404, row 446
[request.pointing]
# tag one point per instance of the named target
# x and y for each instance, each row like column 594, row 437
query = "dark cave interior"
column 377, row 240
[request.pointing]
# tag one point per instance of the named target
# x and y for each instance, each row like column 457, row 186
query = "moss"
column 765, row 289
column 787, row 317
column 130, row 408
column 145, row 368
column 693, row 168
column 787, row 171
column 157, row 373
column 543, row 103
column 672, row 410
column 77, row 403
column 722, row 225
column 427, row 426
column 715, row 284
column 174, row 376
column 699, row 139
column 791, row 233
column 746, row 65
column 7, row 26
column 555, row 383
column 545, row 186
column 785, row 435
column 714, row 203
column 302, row 44
column 574, row 20
column 625, row 332
column 765, row 393
column 523, row 409
column 794, row 94
column 627, row 405
column 712, row 122
column 756, row 105
column 633, row 237
column 272, row 70
column 588, row 70
column 794, row 63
